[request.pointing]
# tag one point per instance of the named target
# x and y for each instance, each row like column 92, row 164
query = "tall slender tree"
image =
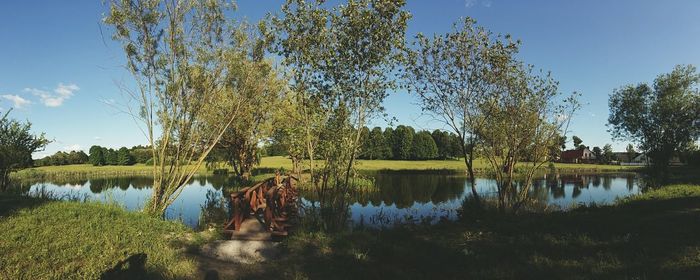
column 260, row 91
column 527, row 119
column 456, row 75
column 342, row 62
column 630, row 152
column 176, row 52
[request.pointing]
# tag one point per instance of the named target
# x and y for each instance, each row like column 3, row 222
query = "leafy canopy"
column 663, row 118
column 17, row 143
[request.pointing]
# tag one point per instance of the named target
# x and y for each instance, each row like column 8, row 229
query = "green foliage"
column 577, row 143
column 423, row 146
column 663, row 118
column 17, row 144
column 180, row 54
column 402, row 140
column 124, row 157
column 562, row 142
column 598, row 153
column 389, row 141
column 342, row 62
column 456, row 75
column 526, row 122
column 97, row 158
column 259, row 93
column 607, row 155
column 111, row 156
column 141, row 154
column 100, row 156
column 63, row 158
column 630, row 152
column 275, row 148
column 376, row 146
column 443, row 141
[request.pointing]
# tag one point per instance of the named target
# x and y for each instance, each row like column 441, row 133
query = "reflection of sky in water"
column 400, row 197
column 590, row 193
column 186, row 207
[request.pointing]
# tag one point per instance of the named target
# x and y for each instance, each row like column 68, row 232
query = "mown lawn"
column 269, row 164
column 43, row 239
column 454, row 164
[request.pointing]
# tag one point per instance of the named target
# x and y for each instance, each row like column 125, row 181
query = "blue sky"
column 60, row 69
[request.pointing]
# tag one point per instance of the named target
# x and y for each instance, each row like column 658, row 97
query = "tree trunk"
column 296, row 166
column 469, row 162
column 234, row 166
column 4, row 179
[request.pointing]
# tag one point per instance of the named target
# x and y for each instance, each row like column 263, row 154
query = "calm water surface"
column 398, row 197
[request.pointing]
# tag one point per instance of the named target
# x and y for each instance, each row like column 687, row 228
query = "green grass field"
column 457, row 165
column 268, row 164
column 278, row 162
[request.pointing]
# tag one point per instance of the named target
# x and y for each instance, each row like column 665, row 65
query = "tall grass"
column 84, row 240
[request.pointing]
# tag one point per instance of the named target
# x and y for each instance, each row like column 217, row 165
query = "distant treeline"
column 98, row 156
column 63, row 158
column 400, row 143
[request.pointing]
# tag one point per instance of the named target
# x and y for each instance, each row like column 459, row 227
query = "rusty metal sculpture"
column 272, row 202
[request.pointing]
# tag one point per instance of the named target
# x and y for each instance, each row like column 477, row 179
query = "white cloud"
column 74, row 147
column 17, row 100
column 60, row 94
column 39, row 155
column 472, row 3
column 98, row 138
column 66, row 90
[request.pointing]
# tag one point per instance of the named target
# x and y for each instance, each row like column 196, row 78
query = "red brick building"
column 577, row 156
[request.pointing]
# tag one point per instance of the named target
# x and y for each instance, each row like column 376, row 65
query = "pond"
column 398, row 197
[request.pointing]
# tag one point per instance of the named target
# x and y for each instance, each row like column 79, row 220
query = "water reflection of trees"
column 403, row 190
column 98, row 185
column 553, row 186
column 101, row 184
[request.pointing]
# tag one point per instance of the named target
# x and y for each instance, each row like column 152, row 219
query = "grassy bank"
column 650, row 236
column 44, row 239
column 269, row 164
column 83, row 170
column 454, row 165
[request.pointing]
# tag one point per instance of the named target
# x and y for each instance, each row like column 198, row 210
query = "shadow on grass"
column 133, row 267
column 11, row 202
column 645, row 239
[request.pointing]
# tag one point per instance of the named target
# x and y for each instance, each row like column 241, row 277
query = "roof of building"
column 572, row 154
